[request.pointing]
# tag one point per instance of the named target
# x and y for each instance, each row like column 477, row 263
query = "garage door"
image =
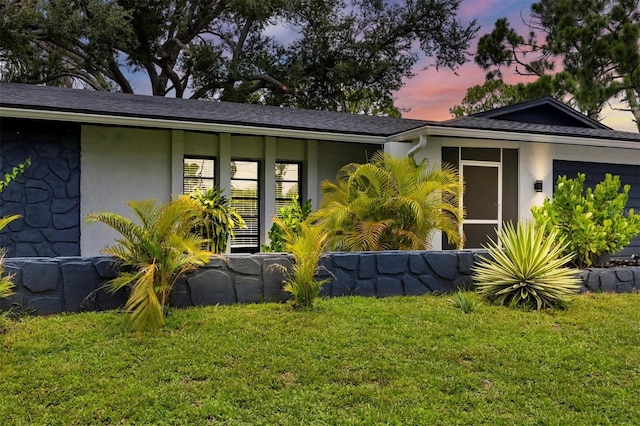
column 629, row 174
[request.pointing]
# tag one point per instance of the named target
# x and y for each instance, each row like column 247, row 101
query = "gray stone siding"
column 47, row 195
column 72, row 284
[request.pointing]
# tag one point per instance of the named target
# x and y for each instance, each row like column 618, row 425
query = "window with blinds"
column 288, row 183
column 198, row 173
column 246, row 199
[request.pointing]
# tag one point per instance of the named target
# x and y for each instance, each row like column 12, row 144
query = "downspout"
column 422, row 143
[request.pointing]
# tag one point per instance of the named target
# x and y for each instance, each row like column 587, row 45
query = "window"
column 245, row 198
column 198, row 173
column 288, row 177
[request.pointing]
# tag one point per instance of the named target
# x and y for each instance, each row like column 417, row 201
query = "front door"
column 482, row 201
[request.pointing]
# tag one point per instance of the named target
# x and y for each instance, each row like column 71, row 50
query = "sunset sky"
column 431, row 93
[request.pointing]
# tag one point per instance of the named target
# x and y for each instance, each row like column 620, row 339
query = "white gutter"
column 85, row 118
column 422, row 143
column 432, row 130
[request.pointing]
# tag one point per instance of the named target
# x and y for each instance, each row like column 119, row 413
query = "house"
column 93, row 151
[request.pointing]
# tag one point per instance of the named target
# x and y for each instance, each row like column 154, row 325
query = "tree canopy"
column 586, row 49
column 344, row 55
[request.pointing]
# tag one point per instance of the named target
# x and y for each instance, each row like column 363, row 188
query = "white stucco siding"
column 535, row 162
column 118, row 165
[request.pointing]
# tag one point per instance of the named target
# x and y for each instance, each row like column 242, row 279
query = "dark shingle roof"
column 549, row 105
column 22, row 96
column 481, row 123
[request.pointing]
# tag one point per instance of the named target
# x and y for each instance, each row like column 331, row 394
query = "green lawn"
column 401, row 360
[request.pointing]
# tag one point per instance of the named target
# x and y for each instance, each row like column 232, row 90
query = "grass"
column 398, row 361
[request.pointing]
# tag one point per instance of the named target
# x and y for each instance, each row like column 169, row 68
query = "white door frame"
column 497, row 222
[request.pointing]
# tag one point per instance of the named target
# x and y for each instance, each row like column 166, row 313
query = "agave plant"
column 306, row 246
column 390, row 204
column 527, row 271
column 154, row 253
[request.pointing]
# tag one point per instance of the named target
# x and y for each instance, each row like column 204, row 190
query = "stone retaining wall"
column 72, row 284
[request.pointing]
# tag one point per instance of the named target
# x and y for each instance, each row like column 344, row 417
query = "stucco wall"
column 535, row 162
column 118, row 165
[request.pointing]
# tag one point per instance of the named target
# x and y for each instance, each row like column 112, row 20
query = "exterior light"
column 537, row 186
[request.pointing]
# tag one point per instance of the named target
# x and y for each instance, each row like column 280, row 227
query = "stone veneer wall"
column 47, row 196
column 72, row 284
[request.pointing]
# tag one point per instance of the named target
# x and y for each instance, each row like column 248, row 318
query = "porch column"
column 267, row 188
column 223, row 169
column 310, row 174
column 177, row 161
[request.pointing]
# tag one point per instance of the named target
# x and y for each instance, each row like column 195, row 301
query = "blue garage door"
column 629, row 174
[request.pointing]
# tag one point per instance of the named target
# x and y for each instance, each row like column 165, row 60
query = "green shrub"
column 219, row 219
column 527, row 270
column 155, row 254
column 306, row 247
column 592, row 221
column 291, row 217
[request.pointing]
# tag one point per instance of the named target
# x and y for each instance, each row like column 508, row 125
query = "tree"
column 594, row 41
column 343, row 54
column 390, row 204
column 496, row 93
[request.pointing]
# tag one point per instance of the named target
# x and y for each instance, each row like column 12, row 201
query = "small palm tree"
column 306, row 245
column 154, row 253
column 528, row 270
column 390, row 204
column 6, row 286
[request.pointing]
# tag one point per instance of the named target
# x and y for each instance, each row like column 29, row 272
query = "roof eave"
column 458, row 132
column 107, row 119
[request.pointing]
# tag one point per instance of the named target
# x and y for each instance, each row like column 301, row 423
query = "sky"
column 431, row 93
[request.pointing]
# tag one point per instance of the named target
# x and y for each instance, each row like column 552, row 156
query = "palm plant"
column 154, row 254
column 219, row 219
column 527, row 271
column 306, row 246
column 390, row 204
column 6, row 286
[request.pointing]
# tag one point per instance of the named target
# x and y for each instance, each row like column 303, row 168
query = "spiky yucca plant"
column 306, row 246
column 157, row 251
column 527, row 271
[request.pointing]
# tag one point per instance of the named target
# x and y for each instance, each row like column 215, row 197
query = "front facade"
column 94, row 151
